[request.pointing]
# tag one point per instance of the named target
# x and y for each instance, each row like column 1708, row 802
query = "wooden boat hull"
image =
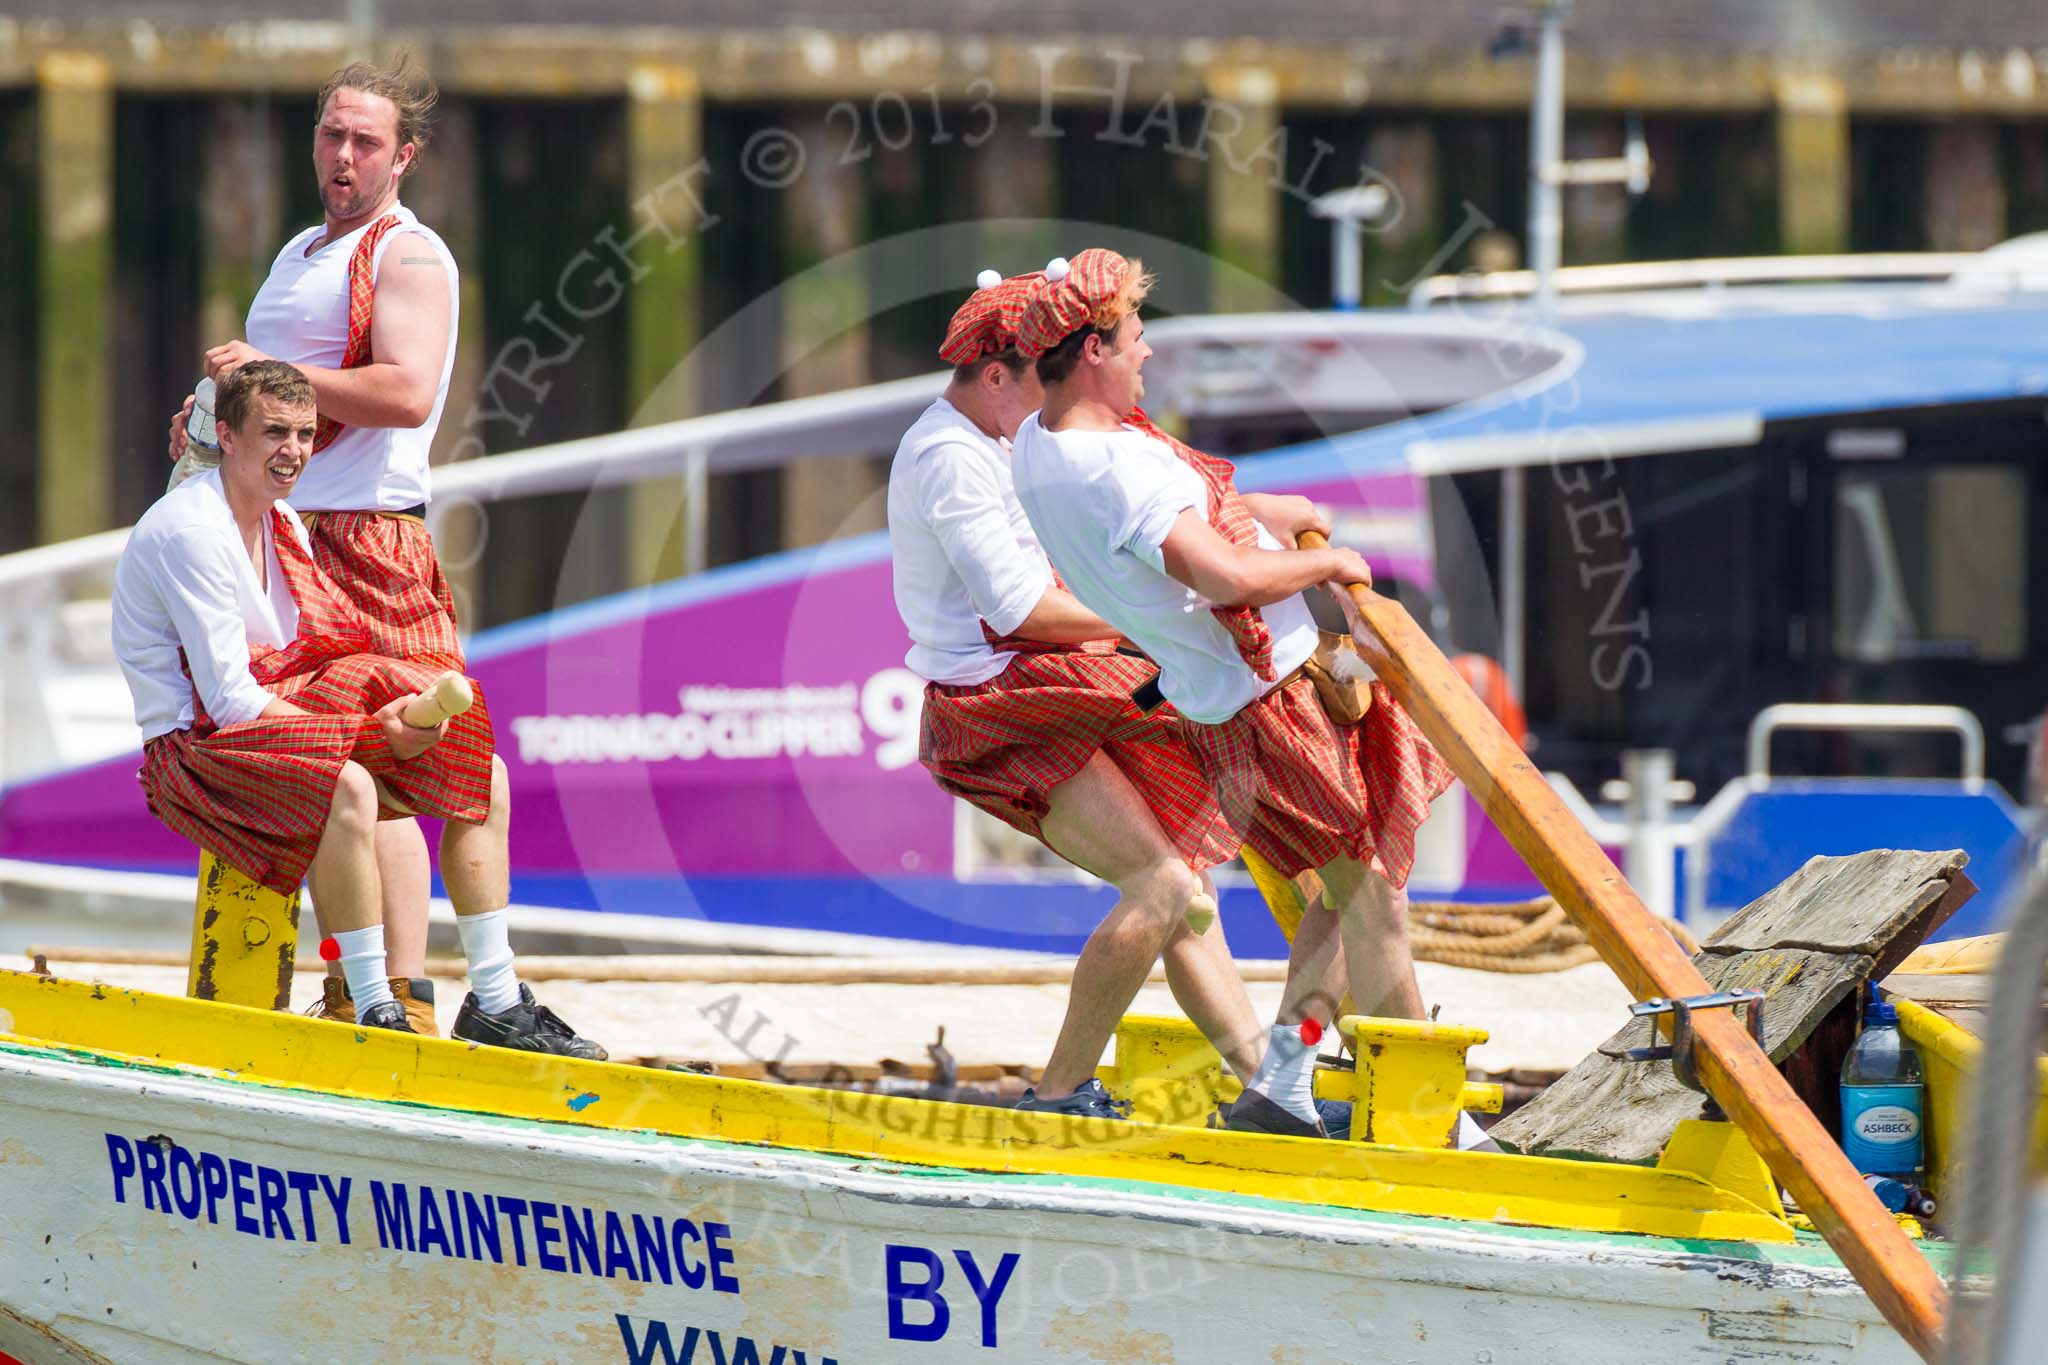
column 152, row 1213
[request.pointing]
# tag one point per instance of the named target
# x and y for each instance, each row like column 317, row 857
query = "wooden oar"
column 1579, row 874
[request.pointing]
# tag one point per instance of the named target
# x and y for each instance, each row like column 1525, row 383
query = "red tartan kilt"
column 387, row 567
column 257, row 794
column 1304, row 791
column 1004, row 744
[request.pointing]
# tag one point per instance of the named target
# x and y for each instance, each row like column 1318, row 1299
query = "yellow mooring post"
column 245, row 938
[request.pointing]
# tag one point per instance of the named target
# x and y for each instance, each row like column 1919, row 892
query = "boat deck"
column 755, row 1016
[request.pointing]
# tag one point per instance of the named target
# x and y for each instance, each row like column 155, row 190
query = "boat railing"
column 1866, row 717
column 1627, row 277
column 61, row 702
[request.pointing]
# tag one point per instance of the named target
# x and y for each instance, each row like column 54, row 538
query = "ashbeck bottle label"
column 1881, row 1128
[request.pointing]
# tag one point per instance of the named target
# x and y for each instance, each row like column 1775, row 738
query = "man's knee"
column 501, row 793
column 354, row 804
column 1169, row 885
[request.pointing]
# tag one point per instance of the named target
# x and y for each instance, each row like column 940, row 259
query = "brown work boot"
column 415, row 993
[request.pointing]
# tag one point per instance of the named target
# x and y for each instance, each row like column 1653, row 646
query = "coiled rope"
column 1525, row 937
column 1519, row 937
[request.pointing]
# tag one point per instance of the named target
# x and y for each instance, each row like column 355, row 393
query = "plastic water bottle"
column 202, row 438
column 1882, row 1098
column 1900, row 1197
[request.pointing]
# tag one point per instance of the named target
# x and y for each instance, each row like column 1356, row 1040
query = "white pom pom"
column 1348, row 667
column 988, row 279
column 1056, row 269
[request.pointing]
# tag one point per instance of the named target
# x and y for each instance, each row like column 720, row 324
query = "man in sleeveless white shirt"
column 364, row 304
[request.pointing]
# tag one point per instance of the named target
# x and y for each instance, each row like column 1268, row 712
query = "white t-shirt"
column 185, row 582
column 1102, row 503
column 301, row 315
column 962, row 548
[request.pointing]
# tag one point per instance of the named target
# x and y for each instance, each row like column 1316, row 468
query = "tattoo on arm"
column 418, row 260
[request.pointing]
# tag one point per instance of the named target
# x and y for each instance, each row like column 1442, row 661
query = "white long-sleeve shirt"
column 962, row 549
column 186, row 582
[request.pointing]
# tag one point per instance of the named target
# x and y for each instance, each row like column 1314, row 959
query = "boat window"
column 1930, row 564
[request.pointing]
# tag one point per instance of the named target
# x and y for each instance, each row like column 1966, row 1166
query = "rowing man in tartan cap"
column 273, row 727
column 1027, row 710
column 364, row 303
column 1155, row 537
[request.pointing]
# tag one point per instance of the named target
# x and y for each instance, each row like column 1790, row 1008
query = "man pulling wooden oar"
column 1028, row 714
column 1155, row 538
column 273, row 729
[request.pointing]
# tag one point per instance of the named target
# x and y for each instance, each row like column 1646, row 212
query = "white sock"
column 1287, row 1074
column 487, row 943
column 362, row 965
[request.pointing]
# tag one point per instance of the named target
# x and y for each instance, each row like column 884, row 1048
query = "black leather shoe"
column 1254, row 1113
column 389, row 1015
column 528, row 1026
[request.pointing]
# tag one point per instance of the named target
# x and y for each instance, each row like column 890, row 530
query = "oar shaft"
column 1583, row 879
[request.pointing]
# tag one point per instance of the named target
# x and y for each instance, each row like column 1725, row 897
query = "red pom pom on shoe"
column 330, row 951
column 1311, row 1032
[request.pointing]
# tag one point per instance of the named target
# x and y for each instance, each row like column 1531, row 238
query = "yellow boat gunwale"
column 297, row 1053
column 1949, row 1057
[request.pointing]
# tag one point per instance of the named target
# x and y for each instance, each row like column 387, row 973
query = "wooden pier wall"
column 152, row 171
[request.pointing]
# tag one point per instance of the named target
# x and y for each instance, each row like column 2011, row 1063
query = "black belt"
column 418, row 513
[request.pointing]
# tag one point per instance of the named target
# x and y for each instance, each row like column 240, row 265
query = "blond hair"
column 1138, row 283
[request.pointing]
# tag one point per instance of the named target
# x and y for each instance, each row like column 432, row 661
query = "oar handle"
column 448, row 697
column 1578, row 873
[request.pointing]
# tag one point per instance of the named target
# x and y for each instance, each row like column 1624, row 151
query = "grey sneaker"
column 389, row 1015
column 1254, row 1113
column 1088, row 1101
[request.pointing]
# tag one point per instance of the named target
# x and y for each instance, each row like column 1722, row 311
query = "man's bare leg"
column 1206, row 985
column 348, row 890
column 1280, row 1097
column 343, row 875
column 407, row 879
column 475, row 867
column 1373, row 916
column 475, row 859
column 1098, row 822
column 1315, row 968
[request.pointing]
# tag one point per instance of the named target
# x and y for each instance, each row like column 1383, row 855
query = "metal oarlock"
column 1679, row 1050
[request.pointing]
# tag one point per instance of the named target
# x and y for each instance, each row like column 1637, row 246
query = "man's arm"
column 407, row 741
column 197, row 582
column 1231, row 576
column 409, row 326
column 1286, row 515
column 1060, row 619
column 1011, row 589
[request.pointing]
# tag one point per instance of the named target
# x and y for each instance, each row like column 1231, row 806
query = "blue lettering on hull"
column 286, row 1205
column 661, row 1345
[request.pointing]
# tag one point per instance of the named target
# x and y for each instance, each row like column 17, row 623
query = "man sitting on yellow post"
column 275, row 739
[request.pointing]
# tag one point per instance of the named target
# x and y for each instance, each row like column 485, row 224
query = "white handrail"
column 871, row 418
column 62, row 559
column 1825, row 716
column 1735, row 270
column 841, row 423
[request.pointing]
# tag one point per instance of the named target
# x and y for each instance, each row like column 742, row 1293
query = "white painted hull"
column 1102, row 1272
